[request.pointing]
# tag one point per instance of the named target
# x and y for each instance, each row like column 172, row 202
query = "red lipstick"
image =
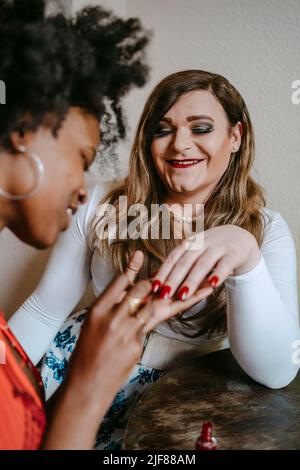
column 184, row 163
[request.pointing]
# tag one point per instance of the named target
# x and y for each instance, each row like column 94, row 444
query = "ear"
column 17, row 139
column 236, row 136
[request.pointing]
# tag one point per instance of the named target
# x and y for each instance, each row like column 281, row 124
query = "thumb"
column 134, row 265
column 132, row 269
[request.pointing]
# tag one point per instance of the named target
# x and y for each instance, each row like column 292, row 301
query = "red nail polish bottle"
column 206, row 441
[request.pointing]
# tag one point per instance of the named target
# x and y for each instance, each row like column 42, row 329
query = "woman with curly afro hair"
column 62, row 76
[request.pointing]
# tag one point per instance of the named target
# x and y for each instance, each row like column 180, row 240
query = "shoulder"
column 85, row 214
column 96, row 192
column 276, row 229
column 274, row 221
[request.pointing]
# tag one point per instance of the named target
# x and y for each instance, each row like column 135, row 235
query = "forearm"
column 38, row 320
column 33, row 330
column 260, row 329
column 74, row 416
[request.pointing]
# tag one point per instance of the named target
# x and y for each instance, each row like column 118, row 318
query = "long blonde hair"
column 237, row 199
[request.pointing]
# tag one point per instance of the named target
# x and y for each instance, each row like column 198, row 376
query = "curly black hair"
column 51, row 63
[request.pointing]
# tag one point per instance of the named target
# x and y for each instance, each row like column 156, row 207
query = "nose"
column 182, row 140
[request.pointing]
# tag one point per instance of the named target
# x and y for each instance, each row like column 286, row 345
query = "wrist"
column 74, row 420
column 251, row 261
column 92, row 400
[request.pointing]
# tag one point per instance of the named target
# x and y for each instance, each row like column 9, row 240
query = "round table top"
column 245, row 414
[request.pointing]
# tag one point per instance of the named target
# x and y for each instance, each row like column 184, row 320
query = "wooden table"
column 246, row 415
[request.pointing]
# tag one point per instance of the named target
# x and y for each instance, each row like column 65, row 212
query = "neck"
column 7, row 213
column 191, row 197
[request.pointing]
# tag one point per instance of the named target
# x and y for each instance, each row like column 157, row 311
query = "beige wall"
column 256, row 45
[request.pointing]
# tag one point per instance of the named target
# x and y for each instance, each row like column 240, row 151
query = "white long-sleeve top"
column 262, row 317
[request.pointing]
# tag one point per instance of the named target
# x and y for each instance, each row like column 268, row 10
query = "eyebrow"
column 189, row 118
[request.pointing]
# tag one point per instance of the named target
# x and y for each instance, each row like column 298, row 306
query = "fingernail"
column 155, row 286
column 165, row 292
column 182, row 294
column 213, row 281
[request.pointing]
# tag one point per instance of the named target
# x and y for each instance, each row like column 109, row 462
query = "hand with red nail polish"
column 167, row 308
column 223, row 251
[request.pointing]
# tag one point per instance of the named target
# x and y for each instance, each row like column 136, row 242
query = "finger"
column 135, row 265
column 221, row 271
column 108, row 298
column 190, row 266
column 167, row 266
column 132, row 270
column 140, row 291
column 121, row 297
column 139, row 328
column 164, row 309
column 178, row 306
column 135, row 326
column 196, row 276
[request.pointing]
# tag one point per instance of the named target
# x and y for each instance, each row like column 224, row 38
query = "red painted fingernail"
column 155, row 286
column 165, row 292
column 213, row 281
column 182, row 294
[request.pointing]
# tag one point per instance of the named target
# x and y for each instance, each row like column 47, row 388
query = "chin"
column 44, row 244
column 47, row 240
column 186, row 189
column 41, row 241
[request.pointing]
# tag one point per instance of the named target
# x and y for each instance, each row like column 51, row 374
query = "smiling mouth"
column 184, row 163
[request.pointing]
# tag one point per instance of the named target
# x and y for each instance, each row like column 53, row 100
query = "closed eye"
column 85, row 163
column 162, row 132
column 202, row 129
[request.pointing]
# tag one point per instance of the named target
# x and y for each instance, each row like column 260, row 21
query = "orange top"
column 22, row 414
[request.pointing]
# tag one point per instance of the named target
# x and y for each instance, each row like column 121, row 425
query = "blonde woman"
column 194, row 145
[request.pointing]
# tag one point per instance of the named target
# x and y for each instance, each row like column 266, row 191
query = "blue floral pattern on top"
column 57, row 366
column 53, row 370
column 65, row 340
column 146, row 375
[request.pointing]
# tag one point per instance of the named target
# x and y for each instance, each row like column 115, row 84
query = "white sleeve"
column 262, row 315
column 61, row 287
